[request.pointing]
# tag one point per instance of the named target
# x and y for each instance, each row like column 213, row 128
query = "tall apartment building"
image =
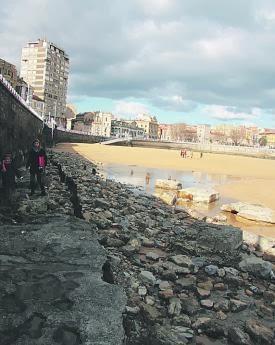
column 203, row 133
column 46, row 67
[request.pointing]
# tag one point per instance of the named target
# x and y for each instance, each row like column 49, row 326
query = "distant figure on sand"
column 183, row 153
column 147, row 178
column 37, row 162
column 201, row 155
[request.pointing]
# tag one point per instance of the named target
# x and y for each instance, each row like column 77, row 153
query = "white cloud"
column 230, row 113
column 174, row 54
column 130, row 109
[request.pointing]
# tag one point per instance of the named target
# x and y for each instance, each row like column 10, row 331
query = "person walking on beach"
column 8, row 174
column 184, row 153
column 37, row 162
column 147, row 178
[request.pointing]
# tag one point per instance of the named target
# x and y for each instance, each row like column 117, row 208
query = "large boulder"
column 198, row 194
column 252, row 212
column 168, row 184
column 264, row 244
column 169, row 197
column 256, row 266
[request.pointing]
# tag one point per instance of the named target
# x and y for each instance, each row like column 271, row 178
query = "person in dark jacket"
column 8, row 174
column 37, row 162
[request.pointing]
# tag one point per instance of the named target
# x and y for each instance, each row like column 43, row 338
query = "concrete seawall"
column 223, row 149
column 18, row 126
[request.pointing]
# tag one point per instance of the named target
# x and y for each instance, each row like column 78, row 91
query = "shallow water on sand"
column 144, row 179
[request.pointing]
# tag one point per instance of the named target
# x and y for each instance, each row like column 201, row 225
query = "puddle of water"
column 144, row 179
column 136, row 176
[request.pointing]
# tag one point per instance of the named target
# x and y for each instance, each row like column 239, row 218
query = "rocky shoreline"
column 186, row 281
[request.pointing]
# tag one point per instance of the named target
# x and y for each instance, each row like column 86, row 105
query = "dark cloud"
column 172, row 53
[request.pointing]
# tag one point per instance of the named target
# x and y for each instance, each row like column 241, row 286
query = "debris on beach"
column 253, row 212
column 168, row 184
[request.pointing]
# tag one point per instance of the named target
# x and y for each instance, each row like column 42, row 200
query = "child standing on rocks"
column 8, row 174
column 37, row 162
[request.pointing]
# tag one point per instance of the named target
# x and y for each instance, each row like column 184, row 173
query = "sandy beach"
column 258, row 175
column 253, row 179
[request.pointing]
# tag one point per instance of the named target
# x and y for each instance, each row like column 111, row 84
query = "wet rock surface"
column 182, row 277
column 51, row 286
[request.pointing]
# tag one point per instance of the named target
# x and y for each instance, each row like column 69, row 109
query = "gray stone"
column 203, row 293
column 222, row 305
column 132, row 310
column 201, row 322
column 237, row 306
column 207, row 303
column 259, row 333
column 114, row 242
column 147, row 277
column 238, row 337
column 226, row 240
column 102, row 203
column 231, row 271
column 150, row 312
column 190, row 306
column 174, row 306
column 60, row 281
column 211, row 270
column 182, row 260
column 188, row 283
column 256, row 266
column 142, row 291
column 182, row 320
column 173, row 335
column 175, row 268
column 152, row 256
column 164, row 285
column 150, row 300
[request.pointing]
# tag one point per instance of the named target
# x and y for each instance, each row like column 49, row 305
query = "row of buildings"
column 147, row 127
column 107, row 125
column 224, row 134
column 43, row 79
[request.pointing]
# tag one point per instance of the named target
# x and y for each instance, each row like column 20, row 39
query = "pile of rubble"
column 187, row 281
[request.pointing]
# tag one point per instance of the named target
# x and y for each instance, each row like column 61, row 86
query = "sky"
column 192, row 61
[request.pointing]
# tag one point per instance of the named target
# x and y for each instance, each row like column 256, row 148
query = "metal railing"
column 14, row 93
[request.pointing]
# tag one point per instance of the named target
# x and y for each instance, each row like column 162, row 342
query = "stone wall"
column 62, row 136
column 18, row 126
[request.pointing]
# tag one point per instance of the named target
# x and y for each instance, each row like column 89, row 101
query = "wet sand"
column 259, row 174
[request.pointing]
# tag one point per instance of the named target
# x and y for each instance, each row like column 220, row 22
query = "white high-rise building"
column 203, row 133
column 46, row 67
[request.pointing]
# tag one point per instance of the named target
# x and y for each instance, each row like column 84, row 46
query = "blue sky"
column 194, row 61
column 193, row 116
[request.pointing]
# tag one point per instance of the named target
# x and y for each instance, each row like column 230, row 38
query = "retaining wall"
column 18, row 125
column 226, row 149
